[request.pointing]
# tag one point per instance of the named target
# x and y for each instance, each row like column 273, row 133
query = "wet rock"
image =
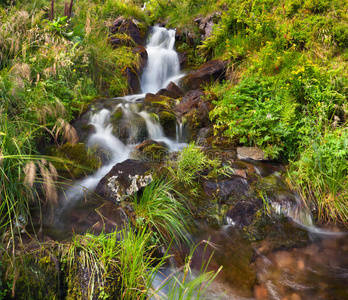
column 212, row 213
column 80, row 161
column 37, row 275
column 206, row 74
column 203, row 135
column 95, row 217
column 243, row 212
column 235, row 187
column 124, row 180
column 82, row 127
column 172, row 91
column 183, row 60
column 128, row 128
column 168, row 121
column 132, row 81
column 254, row 153
column 158, row 101
column 194, row 110
column 130, row 27
column 151, row 151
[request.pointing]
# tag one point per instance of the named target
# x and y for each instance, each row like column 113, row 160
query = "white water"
column 162, row 67
column 163, row 61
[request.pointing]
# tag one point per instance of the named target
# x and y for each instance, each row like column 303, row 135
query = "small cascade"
column 291, row 205
column 104, row 138
column 163, row 61
column 154, row 129
column 181, row 134
column 135, row 125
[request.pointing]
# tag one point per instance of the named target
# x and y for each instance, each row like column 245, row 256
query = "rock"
column 151, row 151
column 243, row 212
column 119, row 40
column 183, row 60
column 171, row 91
column 158, row 101
column 235, row 187
column 189, row 101
column 168, row 121
column 254, row 153
column 124, row 180
column 206, row 74
column 143, row 57
column 132, row 81
column 38, row 273
column 206, row 24
column 129, row 128
column 194, row 111
column 83, row 162
column 129, row 27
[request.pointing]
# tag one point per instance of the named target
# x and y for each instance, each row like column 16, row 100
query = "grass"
column 162, row 210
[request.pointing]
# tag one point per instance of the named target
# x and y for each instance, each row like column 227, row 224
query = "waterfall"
column 163, row 61
column 162, row 67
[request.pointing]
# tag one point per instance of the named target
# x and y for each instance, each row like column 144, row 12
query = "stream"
column 313, row 267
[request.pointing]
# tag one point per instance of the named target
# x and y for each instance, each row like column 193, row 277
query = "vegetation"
column 285, row 92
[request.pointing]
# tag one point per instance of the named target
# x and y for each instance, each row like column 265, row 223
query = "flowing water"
column 317, row 269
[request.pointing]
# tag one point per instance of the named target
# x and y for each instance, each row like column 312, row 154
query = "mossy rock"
column 150, row 151
column 117, row 115
column 158, row 101
column 275, row 231
column 38, row 278
column 129, row 129
column 213, row 213
column 168, row 121
column 83, row 162
column 119, row 40
column 78, row 278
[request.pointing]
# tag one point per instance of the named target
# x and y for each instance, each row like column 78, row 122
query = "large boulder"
column 206, row 74
column 124, row 180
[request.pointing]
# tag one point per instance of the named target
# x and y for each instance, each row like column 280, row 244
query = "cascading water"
column 162, row 67
column 163, row 61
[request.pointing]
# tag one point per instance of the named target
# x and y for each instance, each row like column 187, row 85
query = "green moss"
column 118, row 114
column 83, row 161
column 38, row 278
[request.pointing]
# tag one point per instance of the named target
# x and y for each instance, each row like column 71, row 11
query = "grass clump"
column 158, row 209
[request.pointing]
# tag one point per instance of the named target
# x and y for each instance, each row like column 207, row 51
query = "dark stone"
column 194, row 110
column 183, row 60
column 132, row 81
column 190, row 101
column 124, row 180
column 149, row 142
column 168, row 121
column 235, row 187
column 206, row 74
column 242, row 214
column 171, row 91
